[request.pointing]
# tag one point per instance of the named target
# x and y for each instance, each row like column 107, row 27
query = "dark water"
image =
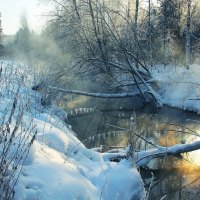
column 177, row 178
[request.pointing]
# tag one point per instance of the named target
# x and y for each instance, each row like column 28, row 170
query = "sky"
column 12, row 10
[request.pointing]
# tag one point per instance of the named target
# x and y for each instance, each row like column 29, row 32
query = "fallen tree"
column 42, row 86
column 98, row 95
column 144, row 157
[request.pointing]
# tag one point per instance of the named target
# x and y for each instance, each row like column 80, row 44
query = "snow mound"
column 50, row 177
column 60, row 167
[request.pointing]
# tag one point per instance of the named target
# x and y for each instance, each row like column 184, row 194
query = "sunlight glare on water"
column 194, row 156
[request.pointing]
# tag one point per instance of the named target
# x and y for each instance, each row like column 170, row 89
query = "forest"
column 112, row 44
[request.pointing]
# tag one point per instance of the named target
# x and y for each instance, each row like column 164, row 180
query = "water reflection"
column 178, row 178
column 175, row 184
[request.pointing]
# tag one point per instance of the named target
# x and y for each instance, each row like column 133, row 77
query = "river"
column 169, row 178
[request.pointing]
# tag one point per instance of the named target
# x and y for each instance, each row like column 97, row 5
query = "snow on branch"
column 144, row 157
column 98, row 95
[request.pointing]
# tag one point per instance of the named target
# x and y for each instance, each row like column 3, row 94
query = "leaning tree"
column 97, row 40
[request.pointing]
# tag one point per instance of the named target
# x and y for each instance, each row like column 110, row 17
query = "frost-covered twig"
column 150, row 185
column 15, row 141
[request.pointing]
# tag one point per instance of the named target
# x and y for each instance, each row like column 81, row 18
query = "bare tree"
column 187, row 39
column 150, row 33
column 136, row 30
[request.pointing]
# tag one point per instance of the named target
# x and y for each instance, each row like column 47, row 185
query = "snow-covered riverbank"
column 58, row 166
column 179, row 87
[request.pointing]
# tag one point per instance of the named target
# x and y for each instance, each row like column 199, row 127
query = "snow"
column 48, row 176
column 179, row 87
column 58, row 166
column 122, row 182
column 194, row 155
column 144, row 157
